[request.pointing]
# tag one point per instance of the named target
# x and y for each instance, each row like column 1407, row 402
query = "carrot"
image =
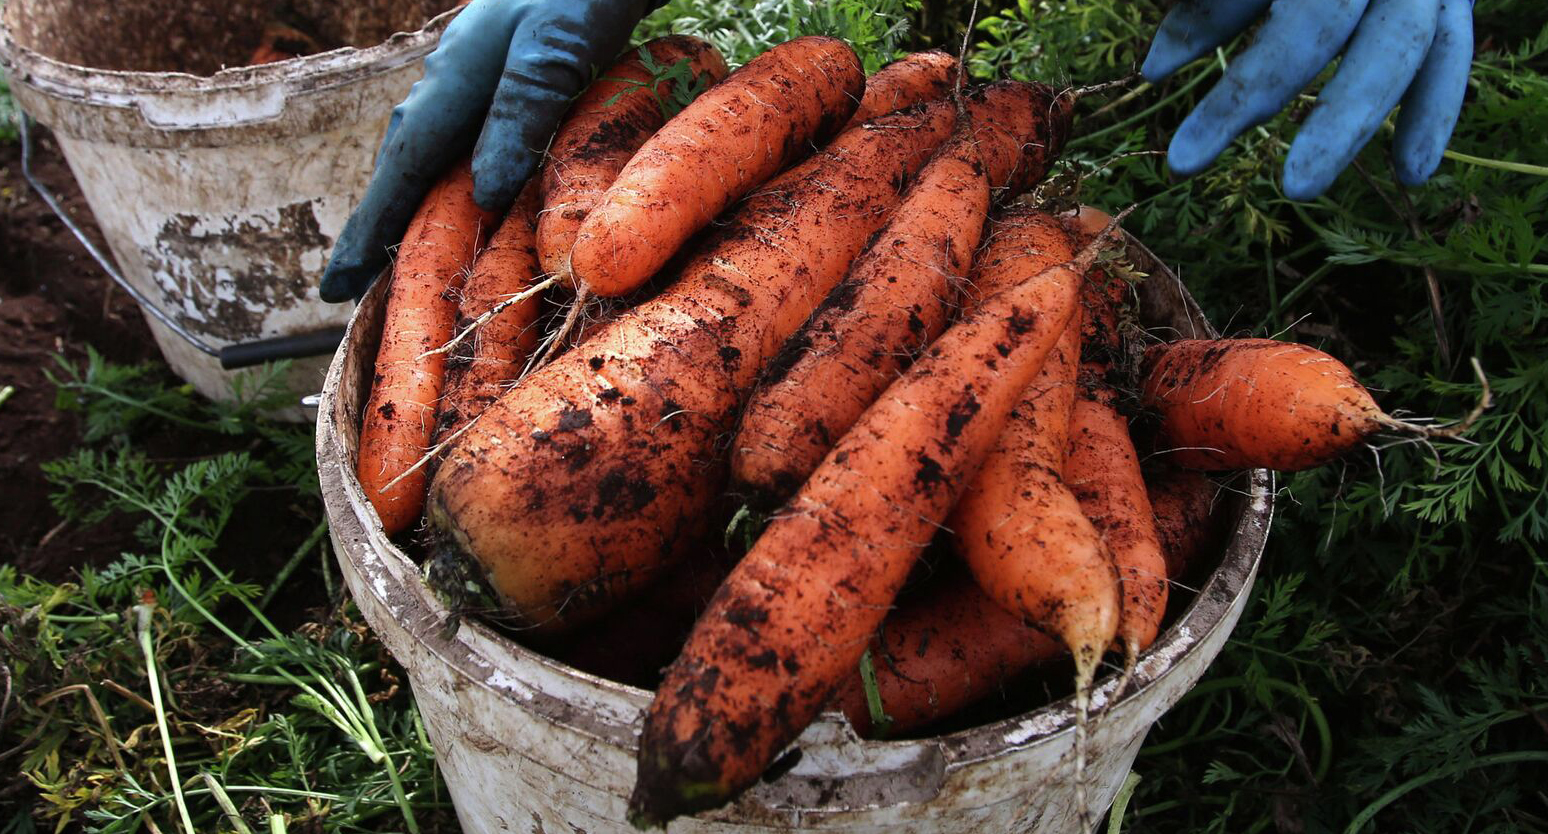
column 939, row 653
column 894, row 301
column 603, row 129
column 727, row 142
column 1187, row 524
column 1248, row 403
column 421, row 312
column 584, row 482
column 480, row 368
column 795, row 615
column 919, row 76
column 1018, row 527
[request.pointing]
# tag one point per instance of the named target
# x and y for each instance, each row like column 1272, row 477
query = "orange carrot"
column 421, row 313
column 938, row 653
column 1248, row 403
column 482, row 367
column 613, row 449
column 603, row 129
column 582, row 484
column 727, row 142
column 1187, row 523
column 792, row 619
column 1018, row 527
column 920, row 76
column 894, row 301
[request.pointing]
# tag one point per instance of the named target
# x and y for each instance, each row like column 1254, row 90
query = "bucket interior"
column 202, row 37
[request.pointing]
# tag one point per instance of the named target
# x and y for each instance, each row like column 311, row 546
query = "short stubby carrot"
column 897, row 296
column 602, row 130
column 916, row 77
column 582, row 484
column 482, row 366
column 1248, row 403
column 937, row 653
column 730, row 140
column 1018, row 527
column 796, row 613
column 421, row 313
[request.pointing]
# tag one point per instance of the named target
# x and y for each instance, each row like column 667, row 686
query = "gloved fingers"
column 551, row 57
column 1194, row 27
column 1432, row 103
column 429, row 130
column 1378, row 65
column 1296, row 41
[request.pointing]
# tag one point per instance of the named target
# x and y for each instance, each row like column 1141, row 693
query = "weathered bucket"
column 219, row 193
column 529, row 744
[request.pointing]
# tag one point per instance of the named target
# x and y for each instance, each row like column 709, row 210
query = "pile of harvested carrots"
column 827, row 305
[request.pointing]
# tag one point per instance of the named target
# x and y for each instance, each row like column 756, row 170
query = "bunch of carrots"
column 824, row 301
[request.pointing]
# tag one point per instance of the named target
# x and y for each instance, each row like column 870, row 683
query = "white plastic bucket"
column 219, row 196
column 529, row 744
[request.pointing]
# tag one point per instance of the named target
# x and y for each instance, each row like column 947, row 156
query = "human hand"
column 511, row 66
column 1416, row 51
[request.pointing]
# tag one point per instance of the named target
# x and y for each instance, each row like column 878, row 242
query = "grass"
column 1389, row 675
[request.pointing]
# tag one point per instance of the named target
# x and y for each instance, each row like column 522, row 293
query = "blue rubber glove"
column 511, row 66
column 1416, row 51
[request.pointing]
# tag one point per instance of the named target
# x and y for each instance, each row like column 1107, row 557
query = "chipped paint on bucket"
column 528, row 744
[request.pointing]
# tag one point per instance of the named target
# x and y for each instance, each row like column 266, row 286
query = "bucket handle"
column 231, row 357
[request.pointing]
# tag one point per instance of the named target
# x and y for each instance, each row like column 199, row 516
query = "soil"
column 55, row 300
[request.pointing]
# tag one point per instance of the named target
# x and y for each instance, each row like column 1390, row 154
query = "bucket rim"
column 475, row 648
column 27, row 65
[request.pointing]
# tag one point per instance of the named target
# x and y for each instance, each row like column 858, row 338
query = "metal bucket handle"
column 232, row 357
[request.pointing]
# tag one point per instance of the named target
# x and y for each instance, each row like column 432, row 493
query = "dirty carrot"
column 421, row 314
column 796, row 613
column 591, row 477
column 1248, row 403
column 1187, row 523
column 730, row 140
column 484, row 365
column 603, row 129
column 920, row 76
column 894, row 301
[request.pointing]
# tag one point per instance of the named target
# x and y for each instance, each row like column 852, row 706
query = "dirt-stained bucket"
column 219, row 191
column 529, row 744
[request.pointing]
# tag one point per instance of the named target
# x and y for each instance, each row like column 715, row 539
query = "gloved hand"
column 1418, row 51
column 516, row 62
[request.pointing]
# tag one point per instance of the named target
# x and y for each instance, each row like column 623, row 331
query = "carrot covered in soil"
column 730, row 140
column 1018, row 527
column 939, row 653
column 602, row 130
column 1249, row 403
column 421, row 312
column 916, row 77
column 584, row 482
column 795, row 615
column 895, row 301
column 1187, row 525
column 484, row 365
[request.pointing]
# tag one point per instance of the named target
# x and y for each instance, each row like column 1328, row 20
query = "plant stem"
column 1397, row 793
column 143, row 627
column 1500, row 164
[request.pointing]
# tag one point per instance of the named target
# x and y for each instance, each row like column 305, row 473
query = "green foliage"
column 152, row 651
column 685, row 86
column 9, row 114
column 741, row 29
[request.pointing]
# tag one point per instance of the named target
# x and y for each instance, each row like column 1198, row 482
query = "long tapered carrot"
column 727, row 142
column 484, row 365
column 893, row 302
column 421, row 311
column 579, row 486
column 1018, row 527
column 794, row 616
column 602, row 130
column 919, row 76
